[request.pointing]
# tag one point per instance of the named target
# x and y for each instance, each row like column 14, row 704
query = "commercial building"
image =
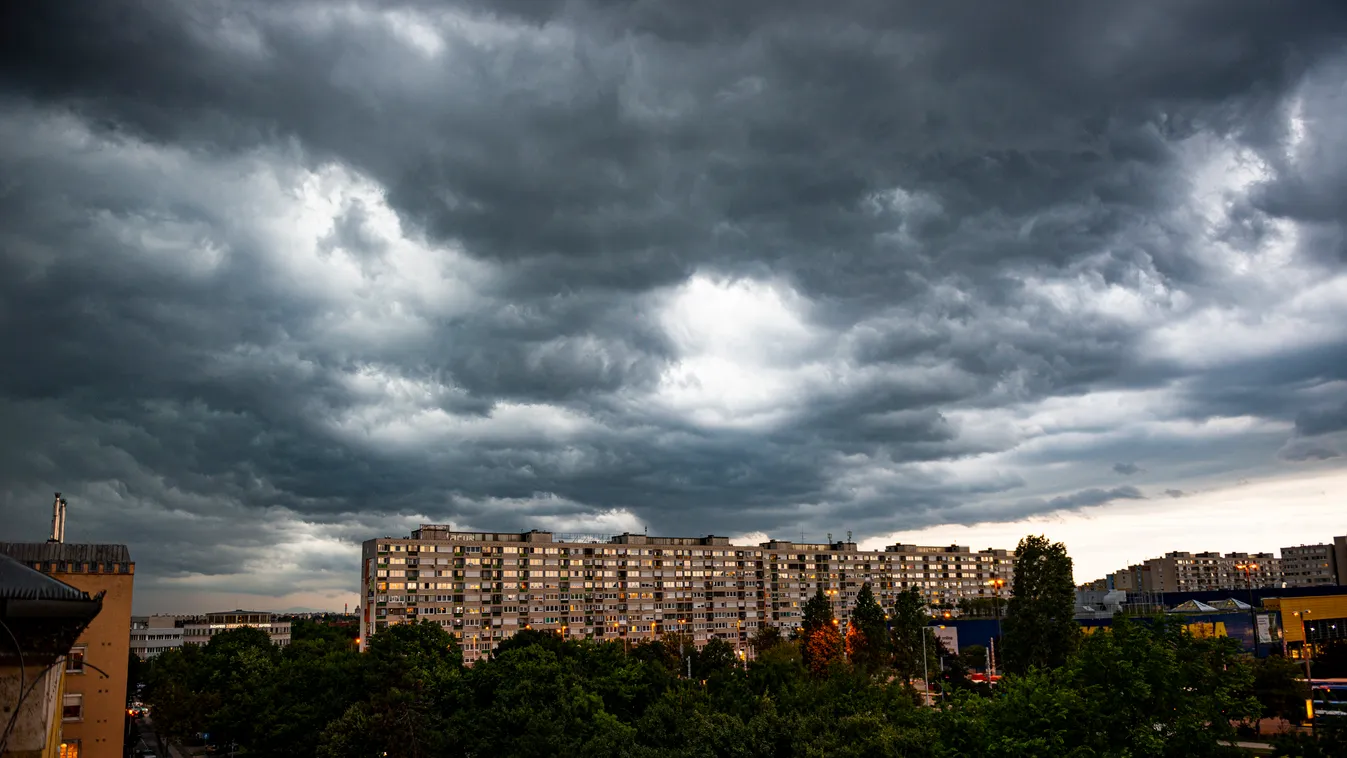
column 197, row 630
column 94, row 690
column 43, row 619
column 484, row 586
column 152, row 635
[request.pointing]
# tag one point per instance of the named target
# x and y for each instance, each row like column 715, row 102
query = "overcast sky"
column 277, row 277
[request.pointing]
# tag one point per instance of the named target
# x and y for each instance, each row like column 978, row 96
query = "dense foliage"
column 1143, row 688
column 1040, row 628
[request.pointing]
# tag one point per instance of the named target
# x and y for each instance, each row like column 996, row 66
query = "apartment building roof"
column 35, row 552
column 18, row 582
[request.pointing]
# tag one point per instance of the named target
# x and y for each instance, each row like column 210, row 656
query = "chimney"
column 58, row 519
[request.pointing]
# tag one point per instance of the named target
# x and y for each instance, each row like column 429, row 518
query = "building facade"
column 197, row 630
column 94, row 689
column 484, row 586
column 43, row 618
column 1309, row 566
column 152, row 635
column 1203, row 572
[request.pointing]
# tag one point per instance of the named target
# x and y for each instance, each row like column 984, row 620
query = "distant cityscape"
column 1300, row 566
column 484, row 587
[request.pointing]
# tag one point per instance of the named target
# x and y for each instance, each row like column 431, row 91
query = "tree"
column 716, row 656
column 1040, row 628
column 867, row 634
column 978, row 607
column 822, row 640
column 907, row 624
column 136, row 671
column 1279, row 688
column 766, row 638
column 973, row 657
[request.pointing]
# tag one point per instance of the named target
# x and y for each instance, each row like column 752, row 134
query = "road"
column 148, row 739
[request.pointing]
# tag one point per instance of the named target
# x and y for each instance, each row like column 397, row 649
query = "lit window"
column 70, row 749
column 72, row 708
column 74, row 662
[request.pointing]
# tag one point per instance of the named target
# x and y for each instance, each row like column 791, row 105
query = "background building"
column 1309, row 566
column 485, row 586
column 197, row 630
column 94, row 694
column 152, row 635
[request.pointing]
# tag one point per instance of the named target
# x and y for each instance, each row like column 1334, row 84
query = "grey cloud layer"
column 984, row 212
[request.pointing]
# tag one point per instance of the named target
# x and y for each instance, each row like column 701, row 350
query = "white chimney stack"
column 58, row 519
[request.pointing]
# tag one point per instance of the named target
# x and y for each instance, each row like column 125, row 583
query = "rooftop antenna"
column 58, row 519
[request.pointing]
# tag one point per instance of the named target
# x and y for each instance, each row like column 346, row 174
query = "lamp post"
column 1247, row 567
column 997, row 583
column 925, row 671
column 1305, row 651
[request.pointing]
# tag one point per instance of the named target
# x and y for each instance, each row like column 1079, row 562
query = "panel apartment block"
column 1309, row 566
column 484, row 586
column 1200, row 572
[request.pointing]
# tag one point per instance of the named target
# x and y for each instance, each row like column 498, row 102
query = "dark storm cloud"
column 962, row 198
column 1326, row 421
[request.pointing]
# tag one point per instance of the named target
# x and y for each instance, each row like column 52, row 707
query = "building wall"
column 36, row 732
column 1321, row 607
column 152, row 635
column 1340, row 559
column 1201, row 572
column 198, row 630
column 1309, row 566
column 107, row 646
column 484, row 587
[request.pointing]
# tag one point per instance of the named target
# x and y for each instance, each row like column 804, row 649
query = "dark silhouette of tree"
column 765, row 638
column 907, row 624
column 867, row 632
column 822, row 639
column 1040, row 628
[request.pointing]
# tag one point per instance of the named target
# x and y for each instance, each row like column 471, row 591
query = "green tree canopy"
column 867, row 632
column 1040, row 628
column 822, row 639
column 907, row 624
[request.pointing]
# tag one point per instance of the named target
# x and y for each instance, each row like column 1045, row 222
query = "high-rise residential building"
column 1203, row 572
column 1309, row 566
column 94, row 689
column 484, row 586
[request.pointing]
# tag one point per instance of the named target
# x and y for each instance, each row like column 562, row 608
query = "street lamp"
column 1247, row 567
column 1305, row 651
column 925, row 671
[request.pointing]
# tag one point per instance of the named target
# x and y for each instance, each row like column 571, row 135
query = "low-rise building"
column 152, row 635
column 197, row 630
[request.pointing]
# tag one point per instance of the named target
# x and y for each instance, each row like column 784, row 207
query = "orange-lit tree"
column 867, row 634
column 822, row 640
